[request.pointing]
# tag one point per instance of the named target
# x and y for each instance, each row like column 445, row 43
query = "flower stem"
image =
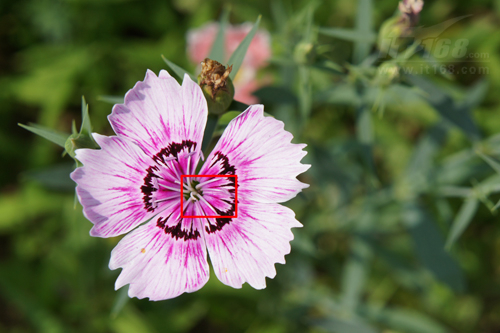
column 212, row 122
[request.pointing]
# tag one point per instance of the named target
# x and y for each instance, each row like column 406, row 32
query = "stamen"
column 165, row 199
column 208, row 204
column 186, row 186
column 170, row 188
column 208, row 181
column 186, row 205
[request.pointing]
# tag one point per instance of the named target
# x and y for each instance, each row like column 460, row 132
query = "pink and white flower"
column 259, row 51
column 132, row 185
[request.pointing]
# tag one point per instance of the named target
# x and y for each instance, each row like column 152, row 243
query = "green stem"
column 212, row 122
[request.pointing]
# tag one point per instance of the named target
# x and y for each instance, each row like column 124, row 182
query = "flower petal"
column 109, row 185
column 259, row 151
column 158, row 111
column 158, row 264
column 246, row 248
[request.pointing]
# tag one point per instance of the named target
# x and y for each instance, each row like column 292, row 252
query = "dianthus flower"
column 136, row 184
column 199, row 44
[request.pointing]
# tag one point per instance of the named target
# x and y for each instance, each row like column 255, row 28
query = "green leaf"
column 227, row 117
column 179, row 71
column 457, row 114
column 349, row 35
column 491, row 162
column 275, row 95
column 340, row 325
column 86, row 127
column 403, row 320
column 54, row 136
column 462, row 220
column 475, row 95
column 364, row 25
column 212, row 121
column 56, row 177
column 429, row 246
column 120, row 300
column 111, row 99
column 238, row 55
column 237, row 106
column 354, row 274
column 217, row 52
column 364, row 134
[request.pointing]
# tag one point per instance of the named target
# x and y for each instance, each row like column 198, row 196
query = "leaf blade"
column 462, row 220
column 179, row 71
column 218, row 51
column 238, row 55
column 59, row 138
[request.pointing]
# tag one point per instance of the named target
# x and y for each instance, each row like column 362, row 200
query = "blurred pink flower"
column 200, row 43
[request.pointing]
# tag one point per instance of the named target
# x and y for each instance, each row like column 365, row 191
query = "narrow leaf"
column 364, row 24
column 355, row 273
column 212, row 121
column 218, row 50
column 238, row 55
column 111, row 99
column 55, row 177
column 429, row 246
column 59, row 138
column 403, row 320
column 120, row 300
column 456, row 114
column 349, row 35
column 335, row 324
column 275, row 95
column 237, row 106
column 86, row 127
column 462, row 220
column 179, row 71
column 491, row 162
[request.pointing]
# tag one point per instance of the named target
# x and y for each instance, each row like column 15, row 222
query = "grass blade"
column 218, row 50
column 462, row 220
column 179, row 71
column 238, row 55
column 59, row 138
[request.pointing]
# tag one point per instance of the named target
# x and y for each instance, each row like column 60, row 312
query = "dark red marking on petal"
column 176, row 230
column 148, row 188
column 227, row 169
column 173, row 149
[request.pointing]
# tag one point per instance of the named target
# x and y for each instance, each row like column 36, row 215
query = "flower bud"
column 386, row 73
column 399, row 26
column 304, row 53
column 216, row 85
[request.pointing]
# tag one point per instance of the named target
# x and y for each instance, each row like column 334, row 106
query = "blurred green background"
column 401, row 232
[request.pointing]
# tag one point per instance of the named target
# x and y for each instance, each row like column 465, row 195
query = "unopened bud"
column 386, row 73
column 410, row 10
column 216, row 85
column 304, row 53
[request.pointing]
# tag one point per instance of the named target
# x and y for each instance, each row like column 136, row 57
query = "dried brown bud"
column 214, row 75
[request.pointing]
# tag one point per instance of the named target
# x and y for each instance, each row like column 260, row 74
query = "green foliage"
column 236, row 59
column 400, row 221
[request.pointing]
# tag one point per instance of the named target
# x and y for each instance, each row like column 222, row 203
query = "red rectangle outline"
column 211, row 216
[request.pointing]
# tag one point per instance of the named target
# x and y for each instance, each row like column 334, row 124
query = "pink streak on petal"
column 158, row 111
column 109, row 185
column 246, row 249
column 159, row 266
column 266, row 161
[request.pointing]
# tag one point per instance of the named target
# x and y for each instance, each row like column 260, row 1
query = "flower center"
column 192, row 190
